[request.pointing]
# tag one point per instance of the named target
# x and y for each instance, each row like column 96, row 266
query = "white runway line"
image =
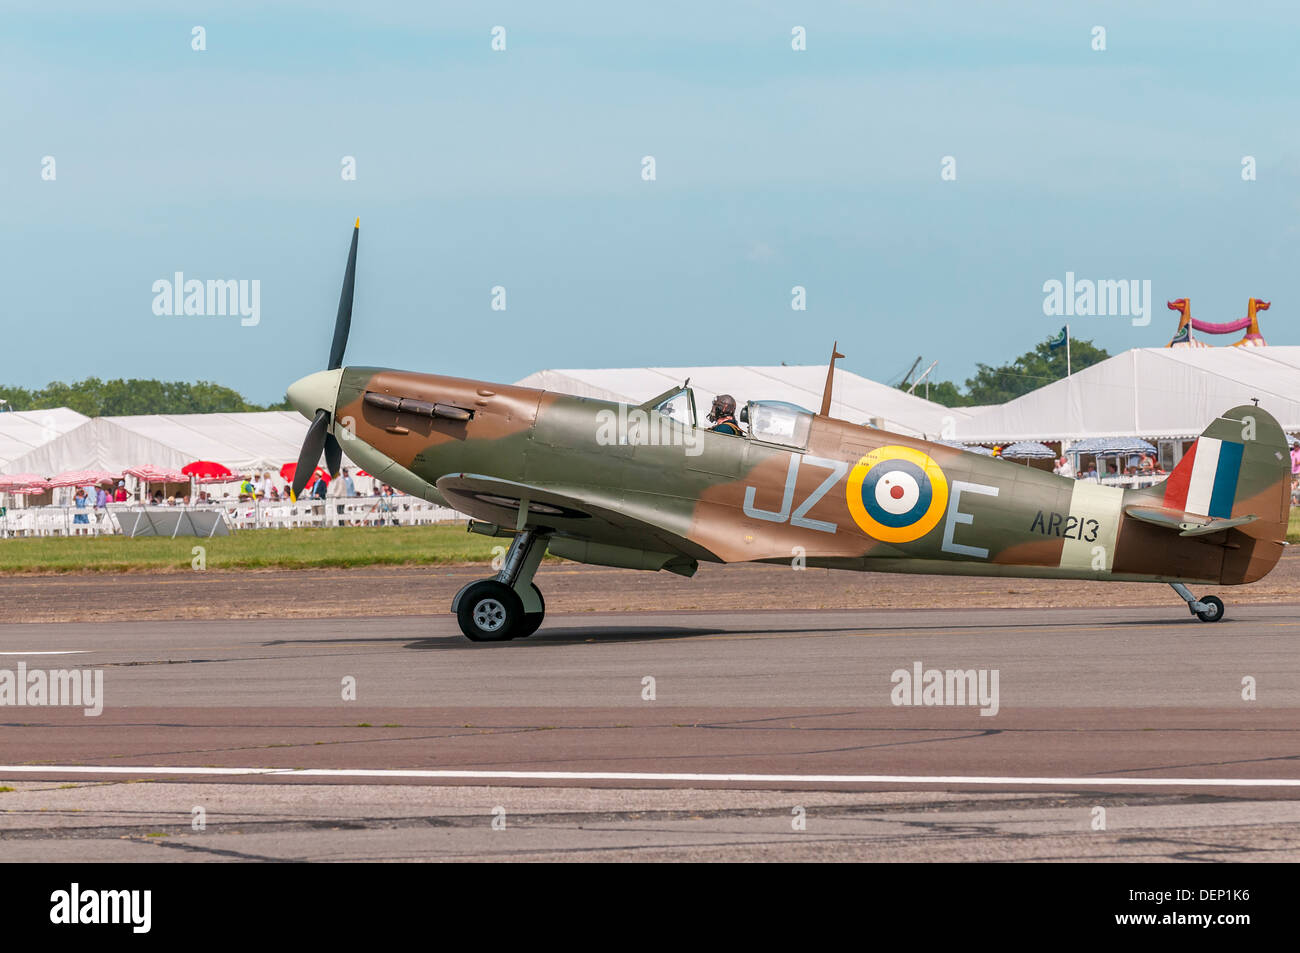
column 63, row 652
column 411, row 773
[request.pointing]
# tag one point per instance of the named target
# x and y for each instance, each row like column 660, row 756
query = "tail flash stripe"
column 1200, row 488
column 1225, row 479
column 1176, row 485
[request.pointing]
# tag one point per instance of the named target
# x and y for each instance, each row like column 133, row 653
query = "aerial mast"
column 830, row 379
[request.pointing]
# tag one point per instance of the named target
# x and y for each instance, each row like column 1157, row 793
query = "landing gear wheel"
column 532, row 619
column 490, row 611
column 1213, row 610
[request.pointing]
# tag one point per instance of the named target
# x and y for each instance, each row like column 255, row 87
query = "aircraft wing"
column 578, row 514
column 1186, row 524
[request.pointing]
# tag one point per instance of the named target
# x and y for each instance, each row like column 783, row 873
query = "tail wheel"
column 532, row 619
column 1213, row 610
column 490, row 611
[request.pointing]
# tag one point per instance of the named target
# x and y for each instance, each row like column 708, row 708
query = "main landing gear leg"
column 508, row 606
column 1206, row 608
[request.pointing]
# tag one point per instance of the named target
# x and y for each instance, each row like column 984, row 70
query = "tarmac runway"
column 762, row 734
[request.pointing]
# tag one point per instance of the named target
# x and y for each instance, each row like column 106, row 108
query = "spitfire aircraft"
column 651, row 487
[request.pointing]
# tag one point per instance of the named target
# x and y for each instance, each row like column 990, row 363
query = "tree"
column 1030, row 371
column 117, row 398
column 941, row 392
column 15, row 398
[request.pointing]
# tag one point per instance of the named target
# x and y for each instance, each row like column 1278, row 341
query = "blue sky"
column 522, row 168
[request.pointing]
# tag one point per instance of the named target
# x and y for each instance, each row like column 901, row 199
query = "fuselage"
column 827, row 493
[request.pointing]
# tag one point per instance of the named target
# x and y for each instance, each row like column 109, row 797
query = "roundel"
column 897, row 494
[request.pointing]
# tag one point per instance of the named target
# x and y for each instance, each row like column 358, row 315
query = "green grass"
column 273, row 549
column 251, row 549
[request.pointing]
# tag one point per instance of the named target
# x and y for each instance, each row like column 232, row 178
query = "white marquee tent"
column 1152, row 392
column 855, row 398
column 242, row 442
column 22, row 432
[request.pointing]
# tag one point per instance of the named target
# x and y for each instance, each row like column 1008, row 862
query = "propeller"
column 319, row 439
column 311, row 451
column 343, row 323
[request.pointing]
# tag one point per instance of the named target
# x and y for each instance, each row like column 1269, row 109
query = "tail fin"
column 1239, row 466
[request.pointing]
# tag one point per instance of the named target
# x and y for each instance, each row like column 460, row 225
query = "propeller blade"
column 312, row 445
column 343, row 322
column 333, row 455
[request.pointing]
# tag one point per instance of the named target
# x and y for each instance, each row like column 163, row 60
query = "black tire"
column 1213, row 611
column 532, row 619
column 489, row 611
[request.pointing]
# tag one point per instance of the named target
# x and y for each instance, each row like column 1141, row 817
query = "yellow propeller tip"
column 358, row 224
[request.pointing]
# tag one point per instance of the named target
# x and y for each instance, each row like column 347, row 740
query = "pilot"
column 723, row 415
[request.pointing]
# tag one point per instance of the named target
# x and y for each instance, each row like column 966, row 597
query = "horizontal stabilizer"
column 1185, row 523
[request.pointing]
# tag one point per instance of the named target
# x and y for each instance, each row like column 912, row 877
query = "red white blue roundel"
column 896, row 494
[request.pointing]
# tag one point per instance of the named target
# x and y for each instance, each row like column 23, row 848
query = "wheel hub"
column 489, row 615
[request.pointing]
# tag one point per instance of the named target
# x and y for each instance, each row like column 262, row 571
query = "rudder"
column 1239, row 466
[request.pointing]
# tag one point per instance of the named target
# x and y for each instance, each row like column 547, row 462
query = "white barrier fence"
column 343, row 511
column 340, row 511
column 1133, row 481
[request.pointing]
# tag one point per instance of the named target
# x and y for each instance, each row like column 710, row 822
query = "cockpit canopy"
column 769, row 421
column 677, row 403
column 777, row 421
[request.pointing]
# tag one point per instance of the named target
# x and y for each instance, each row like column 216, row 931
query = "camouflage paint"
column 853, row 498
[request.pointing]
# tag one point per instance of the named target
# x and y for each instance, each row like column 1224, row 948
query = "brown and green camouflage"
column 628, row 486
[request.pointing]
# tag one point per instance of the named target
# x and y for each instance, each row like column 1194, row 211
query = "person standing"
column 80, row 501
column 337, row 491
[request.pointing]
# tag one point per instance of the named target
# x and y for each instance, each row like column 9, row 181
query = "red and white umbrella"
column 84, row 478
column 17, row 482
column 148, row 473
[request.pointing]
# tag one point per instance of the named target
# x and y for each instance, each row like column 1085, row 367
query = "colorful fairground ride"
column 1186, row 323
